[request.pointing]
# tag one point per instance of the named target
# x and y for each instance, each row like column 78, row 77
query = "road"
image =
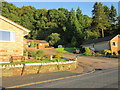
column 106, row 78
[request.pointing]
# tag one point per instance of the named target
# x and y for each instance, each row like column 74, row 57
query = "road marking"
column 17, row 86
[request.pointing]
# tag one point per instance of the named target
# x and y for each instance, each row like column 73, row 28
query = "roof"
column 108, row 38
column 13, row 23
column 39, row 41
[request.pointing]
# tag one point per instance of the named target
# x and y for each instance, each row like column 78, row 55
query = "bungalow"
column 111, row 42
column 11, row 38
column 38, row 44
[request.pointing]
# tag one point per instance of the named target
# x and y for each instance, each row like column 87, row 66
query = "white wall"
column 102, row 46
column 99, row 46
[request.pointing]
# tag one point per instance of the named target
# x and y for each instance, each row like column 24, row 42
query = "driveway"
column 85, row 64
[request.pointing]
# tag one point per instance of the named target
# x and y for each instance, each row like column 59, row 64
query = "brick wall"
column 11, row 48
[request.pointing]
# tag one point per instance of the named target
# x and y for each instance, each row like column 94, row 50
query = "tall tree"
column 100, row 21
column 113, row 15
column 80, row 17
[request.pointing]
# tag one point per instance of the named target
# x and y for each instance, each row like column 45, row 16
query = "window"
column 114, row 44
column 7, row 36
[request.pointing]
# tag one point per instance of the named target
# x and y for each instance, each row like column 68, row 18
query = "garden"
column 89, row 52
column 105, row 53
column 32, row 56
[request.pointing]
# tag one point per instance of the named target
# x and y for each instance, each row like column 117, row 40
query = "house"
column 11, row 38
column 38, row 44
column 111, row 42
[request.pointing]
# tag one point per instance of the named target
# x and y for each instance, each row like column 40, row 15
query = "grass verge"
column 39, row 61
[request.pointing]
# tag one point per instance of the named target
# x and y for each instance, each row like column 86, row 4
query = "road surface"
column 106, row 78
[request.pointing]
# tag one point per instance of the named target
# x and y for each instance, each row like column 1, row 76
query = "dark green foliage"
column 73, row 42
column 72, row 27
column 119, row 52
column 53, row 38
column 100, row 19
column 114, row 53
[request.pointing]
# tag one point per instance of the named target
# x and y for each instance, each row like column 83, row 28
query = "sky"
column 86, row 7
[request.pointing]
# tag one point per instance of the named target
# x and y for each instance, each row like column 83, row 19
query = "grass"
column 61, row 49
column 66, row 50
column 39, row 61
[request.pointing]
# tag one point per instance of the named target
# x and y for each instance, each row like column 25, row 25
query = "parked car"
column 60, row 46
column 77, row 51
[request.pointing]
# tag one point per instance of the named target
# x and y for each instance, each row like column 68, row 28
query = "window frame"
column 11, row 37
column 115, row 44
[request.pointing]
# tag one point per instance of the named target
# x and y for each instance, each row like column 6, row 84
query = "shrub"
column 24, row 54
column 25, row 51
column 82, row 50
column 60, row 50
column 98, row 53
column 87, row 51
column 119, row 52
column 40, row 54
column 114, row 53
column 32, row 44
column 59, row 53
column 107, row 52
column 32, row 53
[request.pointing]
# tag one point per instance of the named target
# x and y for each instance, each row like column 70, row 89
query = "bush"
column 59, row 53
column 107, row 52
column 40, row 54
column 25, row 51
column 87, row 52
column 119, row 52
column 98, row 53
column 82, row 50
column 24, row 54
column 114, row 53
column 32, row 44
column 32, row 53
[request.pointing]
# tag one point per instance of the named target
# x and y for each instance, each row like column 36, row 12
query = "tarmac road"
column 106, row 78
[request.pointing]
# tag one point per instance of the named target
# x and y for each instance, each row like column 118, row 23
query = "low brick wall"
column 34, row 68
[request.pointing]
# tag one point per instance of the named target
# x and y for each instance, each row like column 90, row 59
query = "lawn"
column 66, row 50
column 38, row 61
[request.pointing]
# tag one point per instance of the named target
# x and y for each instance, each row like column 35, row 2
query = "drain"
column 98, row 69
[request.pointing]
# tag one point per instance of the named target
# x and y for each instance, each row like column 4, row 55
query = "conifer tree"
column 100, row 21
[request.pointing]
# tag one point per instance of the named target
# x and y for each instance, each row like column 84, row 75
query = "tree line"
column 61, row 26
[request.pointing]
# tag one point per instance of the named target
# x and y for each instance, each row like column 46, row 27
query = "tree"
column 100, row 20
column 113, row 15
column 74, row 28
column 80, row 17
column 64, row 25
column 118, row 26
column 107, row 12
column 73, row 42
column 53, row 38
